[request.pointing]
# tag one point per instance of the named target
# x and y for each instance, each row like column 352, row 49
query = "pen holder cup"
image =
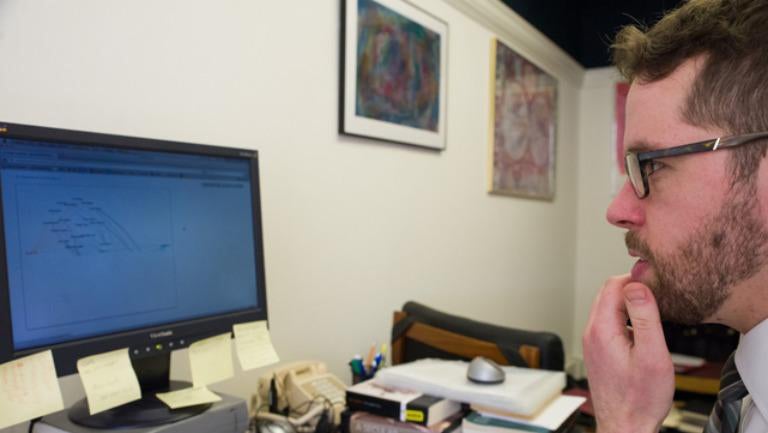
column 357, row 378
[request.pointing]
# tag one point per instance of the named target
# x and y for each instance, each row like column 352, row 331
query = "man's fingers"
column 644, row 314
column 606, row 326
column 608, row 308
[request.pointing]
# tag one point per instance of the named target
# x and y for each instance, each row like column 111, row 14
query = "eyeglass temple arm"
column 702, row 146
column 739, row 139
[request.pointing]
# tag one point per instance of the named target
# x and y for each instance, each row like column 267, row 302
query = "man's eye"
column 653, row 166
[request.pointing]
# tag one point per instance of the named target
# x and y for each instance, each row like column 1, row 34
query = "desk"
column 701, row 380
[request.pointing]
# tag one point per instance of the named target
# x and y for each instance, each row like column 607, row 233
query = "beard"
column 692, row 283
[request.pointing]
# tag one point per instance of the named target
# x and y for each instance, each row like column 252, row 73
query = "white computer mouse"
column 485, row 371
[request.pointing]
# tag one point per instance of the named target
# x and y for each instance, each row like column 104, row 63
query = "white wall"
column 600, row 250
column 352, row 228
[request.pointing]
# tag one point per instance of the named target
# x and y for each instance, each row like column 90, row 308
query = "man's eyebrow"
column 640, row 146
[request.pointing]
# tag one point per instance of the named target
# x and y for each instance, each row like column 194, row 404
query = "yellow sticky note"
column 109, row 380
column 28, row 389
column 188, row 397
column 254, row 345
column 211, row 360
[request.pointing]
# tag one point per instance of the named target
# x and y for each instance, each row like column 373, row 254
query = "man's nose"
column 625, row 210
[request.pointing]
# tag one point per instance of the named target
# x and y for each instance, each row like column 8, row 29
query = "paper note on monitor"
column 28, row 389
column 109, row 380
column 188, row 397
column 254, row 345
column 210, row 360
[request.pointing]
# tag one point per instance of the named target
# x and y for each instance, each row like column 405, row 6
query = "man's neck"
column 746, row 307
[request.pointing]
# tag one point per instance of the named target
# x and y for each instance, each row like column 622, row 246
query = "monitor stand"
column 230, row 415
column 153, row 374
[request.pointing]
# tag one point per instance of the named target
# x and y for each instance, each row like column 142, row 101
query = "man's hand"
column 630, row 372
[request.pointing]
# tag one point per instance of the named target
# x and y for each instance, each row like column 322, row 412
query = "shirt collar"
column 750, row 362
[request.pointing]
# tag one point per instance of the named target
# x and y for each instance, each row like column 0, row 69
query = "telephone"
column 298, row 385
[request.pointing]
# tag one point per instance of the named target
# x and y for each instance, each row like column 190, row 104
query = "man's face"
column 696, row 236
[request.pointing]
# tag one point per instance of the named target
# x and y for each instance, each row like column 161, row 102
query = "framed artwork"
column 393, row 73
column 523, row 121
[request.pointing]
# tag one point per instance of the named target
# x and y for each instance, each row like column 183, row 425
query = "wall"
column 353, row 228
column 600, row 250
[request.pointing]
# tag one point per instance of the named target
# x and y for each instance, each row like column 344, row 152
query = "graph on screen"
column 82, row 239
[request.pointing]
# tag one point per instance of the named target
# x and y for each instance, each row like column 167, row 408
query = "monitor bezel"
column 148, row 341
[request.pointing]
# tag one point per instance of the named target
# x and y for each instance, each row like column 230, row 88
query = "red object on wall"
column 622, row 89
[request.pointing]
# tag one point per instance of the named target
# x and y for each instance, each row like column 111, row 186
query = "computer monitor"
column 111, row 242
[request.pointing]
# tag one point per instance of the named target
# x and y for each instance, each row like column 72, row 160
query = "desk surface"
column 703, row 380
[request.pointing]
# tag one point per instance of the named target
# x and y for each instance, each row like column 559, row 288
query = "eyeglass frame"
column 639, row 160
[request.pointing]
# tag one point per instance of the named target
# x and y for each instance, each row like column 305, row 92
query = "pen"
column 369, row 359
column 357, row 365
column 383, row 352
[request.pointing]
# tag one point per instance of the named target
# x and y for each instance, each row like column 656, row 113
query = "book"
column 694, row 415
column 362, row 422
column 526, row 391
column 478, row 423
column 429, row 410
column 685, row 421
column 399, row 404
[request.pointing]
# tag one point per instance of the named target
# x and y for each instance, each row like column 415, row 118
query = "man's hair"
column 731, row 90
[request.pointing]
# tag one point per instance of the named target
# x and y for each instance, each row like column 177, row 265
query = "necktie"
column 727, row 411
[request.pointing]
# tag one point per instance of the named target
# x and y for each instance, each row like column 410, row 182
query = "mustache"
column 634, row 243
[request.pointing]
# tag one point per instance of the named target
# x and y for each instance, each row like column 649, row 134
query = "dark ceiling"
column 584, row 28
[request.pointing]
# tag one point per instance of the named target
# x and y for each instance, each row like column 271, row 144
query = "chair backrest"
column 422, row 332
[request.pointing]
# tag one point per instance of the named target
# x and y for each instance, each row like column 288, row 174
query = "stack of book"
column 381, row 409
column 689, row 416
column 528, row 400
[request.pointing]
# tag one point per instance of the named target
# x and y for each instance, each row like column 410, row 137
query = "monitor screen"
column 112, row 242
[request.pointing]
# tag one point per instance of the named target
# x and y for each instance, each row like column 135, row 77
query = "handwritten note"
column 28, row 389
column 254, row 345
column 109, row 380
column 210, row 360
column 188, row 397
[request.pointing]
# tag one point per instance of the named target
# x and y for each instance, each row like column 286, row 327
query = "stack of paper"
column 524, row 392
column 558, row 416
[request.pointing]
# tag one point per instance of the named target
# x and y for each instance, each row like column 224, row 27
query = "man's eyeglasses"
column 639, row 165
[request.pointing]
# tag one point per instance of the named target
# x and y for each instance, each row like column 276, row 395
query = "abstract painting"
column 524, row 114
column 393, row 71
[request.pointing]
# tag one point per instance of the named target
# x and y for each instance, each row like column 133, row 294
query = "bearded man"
column 695, row 211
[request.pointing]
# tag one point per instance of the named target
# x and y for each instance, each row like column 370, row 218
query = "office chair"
column 422, row 332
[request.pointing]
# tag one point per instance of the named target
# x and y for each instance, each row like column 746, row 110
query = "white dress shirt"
column 751, row 356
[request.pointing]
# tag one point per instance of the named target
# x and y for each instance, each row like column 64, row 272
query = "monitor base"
column 149, row 411
column 230, row 415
